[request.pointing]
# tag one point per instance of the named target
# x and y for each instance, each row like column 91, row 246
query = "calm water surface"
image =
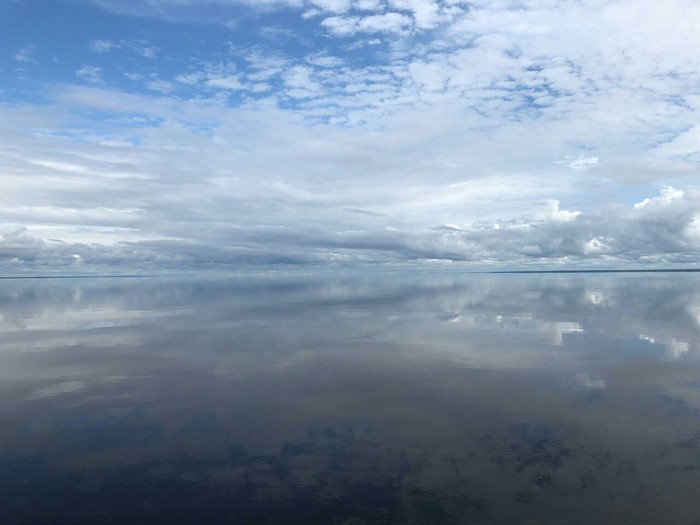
column 410, row 399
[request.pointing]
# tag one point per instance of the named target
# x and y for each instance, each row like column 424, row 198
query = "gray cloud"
column 663, row 230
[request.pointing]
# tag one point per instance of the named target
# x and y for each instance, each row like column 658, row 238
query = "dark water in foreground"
column 424, row 399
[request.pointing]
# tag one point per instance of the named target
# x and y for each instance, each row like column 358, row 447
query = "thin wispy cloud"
column 91, row 74
column 25, row 54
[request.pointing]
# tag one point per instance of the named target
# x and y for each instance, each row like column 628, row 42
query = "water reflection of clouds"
column 662, row 308
column 554, row 330
column 80, row 319
column 237, row 328
column 674, row 349
column 588, row 381
column 619, row 307
column 292, row 382
column 65, row 387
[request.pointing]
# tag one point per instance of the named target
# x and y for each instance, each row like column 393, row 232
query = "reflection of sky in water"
column 402, row 399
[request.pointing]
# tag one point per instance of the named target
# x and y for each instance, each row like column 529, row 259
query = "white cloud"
column 190, row 78
column 162, row 86
column 341, row 25
column 103, row 46
column 368, row 5
column 393, row 23
column 92, row 74
column 685, row 144
column 552, row 212
column 311, row 13
column 582, row 163
column 231, row 82
column 333, row 6
column 25, row 54
column 190, row 10
column 668, row 194
column 147, row 51
column 324, row 60
column 300, row 83
column 277, row 33
column 385, row 23
column 141, row 47
column 425, row 12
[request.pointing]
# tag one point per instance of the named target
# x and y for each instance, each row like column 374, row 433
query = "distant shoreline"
column 650, row 270
column 461, row 271
column 10, row 277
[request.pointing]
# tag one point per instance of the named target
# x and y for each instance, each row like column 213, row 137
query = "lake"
column 412, row 398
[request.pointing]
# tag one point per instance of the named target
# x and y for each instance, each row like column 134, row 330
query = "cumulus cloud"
column 425, row 12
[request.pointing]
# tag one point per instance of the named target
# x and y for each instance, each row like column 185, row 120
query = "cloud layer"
column 485, row 134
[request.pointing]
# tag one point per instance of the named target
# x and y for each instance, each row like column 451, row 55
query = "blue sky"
column 161, row 134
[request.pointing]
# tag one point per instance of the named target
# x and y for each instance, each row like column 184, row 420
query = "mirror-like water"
column 412, row 399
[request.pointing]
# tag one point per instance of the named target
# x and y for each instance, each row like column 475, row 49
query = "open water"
column 401, row 399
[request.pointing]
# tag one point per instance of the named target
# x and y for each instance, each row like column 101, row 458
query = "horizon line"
column 542, row 271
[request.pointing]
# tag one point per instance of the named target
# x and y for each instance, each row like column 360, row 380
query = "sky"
column 147, row 135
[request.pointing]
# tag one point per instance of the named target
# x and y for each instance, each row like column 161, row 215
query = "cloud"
column 368, row 5
column 494, row 133
column 161, row 86
column 552, row 212
column 425, row 12
column 664, row 230
column 582, row 163
column 25, row 54
column 333, row 6
column 324, row 60
column 344, row 26
column 92, row 74
column 103, row 46
column 229, row 82
column 208, row 11
column 301, row 176
column 141, row 47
